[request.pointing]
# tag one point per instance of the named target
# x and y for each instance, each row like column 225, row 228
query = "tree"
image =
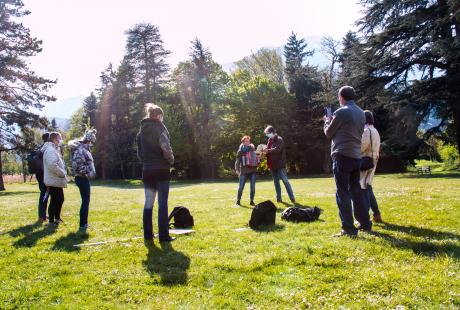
column 201, row 83
column 413, row 48
column 295, row 54
column 147, row 55
column 20, row 88
column 265, row 62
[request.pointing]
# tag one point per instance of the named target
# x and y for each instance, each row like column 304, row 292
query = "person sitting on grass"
column 54, row 176
column 246, row 168
column 83, row 169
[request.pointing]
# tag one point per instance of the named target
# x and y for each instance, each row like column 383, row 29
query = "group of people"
column 52, row 175
column 353, row 137
column 350, row 128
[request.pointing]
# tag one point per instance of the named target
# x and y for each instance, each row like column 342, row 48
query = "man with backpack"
column 35, row 162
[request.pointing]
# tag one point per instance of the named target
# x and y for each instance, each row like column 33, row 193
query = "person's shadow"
column 430, row 244
column 31, row 236
column 67, row 243
column 169, row 264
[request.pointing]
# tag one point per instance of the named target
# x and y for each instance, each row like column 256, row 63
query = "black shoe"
column 345, row 233
column 279, row 200
column 252, row 203
column 293, row 201
column 170, row 239
column 364, row 229
column 238, row 203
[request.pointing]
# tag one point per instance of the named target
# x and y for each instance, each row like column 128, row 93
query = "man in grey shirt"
column 345, row 128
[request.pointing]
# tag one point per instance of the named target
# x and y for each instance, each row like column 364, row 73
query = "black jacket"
column 153, row 146
column 277, row 153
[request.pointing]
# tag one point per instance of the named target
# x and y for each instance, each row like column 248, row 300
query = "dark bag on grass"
column 296, row 214
column 35, row 161
column 182, row 217
column 263, row 213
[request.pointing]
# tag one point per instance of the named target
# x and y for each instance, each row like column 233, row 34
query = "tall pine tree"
column 20, row 88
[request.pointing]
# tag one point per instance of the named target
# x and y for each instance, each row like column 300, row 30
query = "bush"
column 449, row 156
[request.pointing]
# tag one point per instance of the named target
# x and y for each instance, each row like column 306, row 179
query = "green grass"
column 413, row 260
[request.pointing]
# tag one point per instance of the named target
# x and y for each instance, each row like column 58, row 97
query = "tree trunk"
column 2, row 185
column 24, row 173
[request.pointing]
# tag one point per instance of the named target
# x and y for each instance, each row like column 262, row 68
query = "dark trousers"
column 85, row 193
column 252, row 179
column 57, row 199
column 346, row 175
column 162, row 188
column 42, row 203
column 370, row 200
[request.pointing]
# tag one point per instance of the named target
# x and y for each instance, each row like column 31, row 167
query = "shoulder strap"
column 372, row 151
column 174, row 212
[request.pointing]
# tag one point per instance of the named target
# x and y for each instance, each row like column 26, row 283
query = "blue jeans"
column 242, row 182
column 371, row 202
column 162, row 187
column 282, row 174
column 85, row 193
column 41, row 204
column 346, row 175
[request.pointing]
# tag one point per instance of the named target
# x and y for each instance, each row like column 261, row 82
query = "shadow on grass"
column 67, row 243
column 269, row 228
column 24, row 230
column 30, row 239
column 6, row 193
column 169, row 264
column 425, row 247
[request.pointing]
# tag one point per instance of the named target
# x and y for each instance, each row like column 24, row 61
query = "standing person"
column 370, row 146
column 276, row 161
column 83, row 169
column 42, row 201
column 55, row 177
column 246, row 168
column 345, row 129
column 155, row 153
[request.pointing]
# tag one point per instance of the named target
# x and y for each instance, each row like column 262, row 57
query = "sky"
column 81, row 37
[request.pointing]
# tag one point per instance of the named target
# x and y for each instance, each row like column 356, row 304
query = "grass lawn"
column 412, row 260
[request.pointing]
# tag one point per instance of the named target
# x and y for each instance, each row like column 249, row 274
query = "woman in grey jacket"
column 55, row 176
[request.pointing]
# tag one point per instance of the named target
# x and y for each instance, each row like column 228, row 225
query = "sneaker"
column 252, row 203
column 170, row 239
column 42, row 220
column 293, row 201
column 344, row 233
column 367, row 229
column 238, row 203
column 377, row 218
column 84, row 227
column 279, row 200
column 58, row 221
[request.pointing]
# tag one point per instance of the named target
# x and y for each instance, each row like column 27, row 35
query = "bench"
column 424, row 170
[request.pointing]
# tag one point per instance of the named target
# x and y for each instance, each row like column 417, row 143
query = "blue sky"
column 81, row 37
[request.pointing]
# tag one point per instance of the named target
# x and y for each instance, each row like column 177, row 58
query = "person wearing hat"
column 83, row 169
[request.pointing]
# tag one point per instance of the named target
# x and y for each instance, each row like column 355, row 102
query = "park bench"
column 424, row 170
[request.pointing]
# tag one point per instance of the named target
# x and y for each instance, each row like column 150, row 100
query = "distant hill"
column 62, row 123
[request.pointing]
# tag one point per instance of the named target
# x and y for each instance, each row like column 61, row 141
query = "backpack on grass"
column 263, row 213
column 296, row 214
column 182, row 217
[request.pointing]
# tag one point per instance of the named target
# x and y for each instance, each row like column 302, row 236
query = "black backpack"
column 263, row 213
column 35, row 161
column 182, row 217
column 296, row 214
